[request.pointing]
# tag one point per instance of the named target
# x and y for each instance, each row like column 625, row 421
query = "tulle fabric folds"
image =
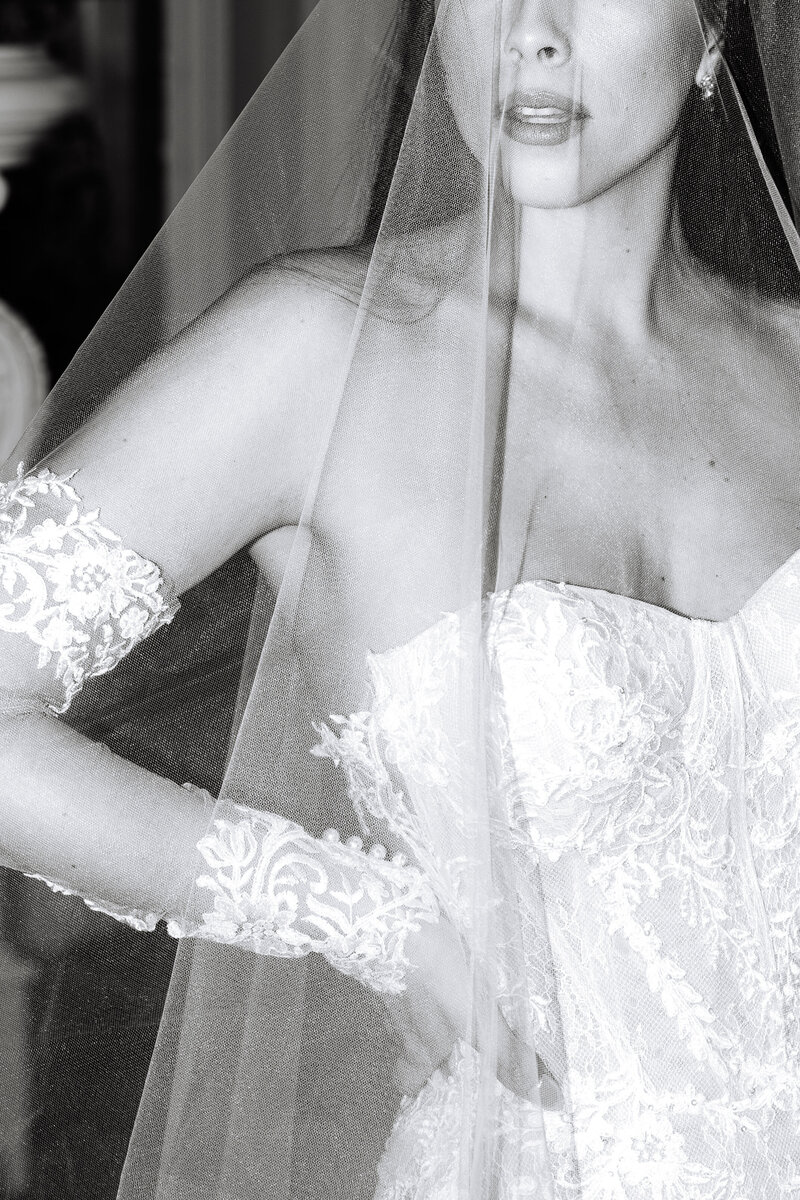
column 367, row 700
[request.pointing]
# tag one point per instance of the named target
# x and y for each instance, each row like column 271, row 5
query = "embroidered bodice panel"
column 648, row 780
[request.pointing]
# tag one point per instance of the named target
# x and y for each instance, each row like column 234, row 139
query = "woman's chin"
column 542, row 177
column 544, row 192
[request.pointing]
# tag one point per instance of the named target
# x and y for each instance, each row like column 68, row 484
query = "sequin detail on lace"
column 81, row 596
column 279, row 891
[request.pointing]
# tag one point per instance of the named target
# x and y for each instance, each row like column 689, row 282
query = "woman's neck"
column 604, row 265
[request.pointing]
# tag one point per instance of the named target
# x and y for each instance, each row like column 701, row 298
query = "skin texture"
column 625, row 362
column 629, row 63
column 650, row 445
column 624, row 366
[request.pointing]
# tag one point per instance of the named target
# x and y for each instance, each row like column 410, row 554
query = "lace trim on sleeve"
column 81, row 596
column 279, row 891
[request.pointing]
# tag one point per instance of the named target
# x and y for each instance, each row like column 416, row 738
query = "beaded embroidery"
column 279, row 891
column 81, row 596
column 649, row 773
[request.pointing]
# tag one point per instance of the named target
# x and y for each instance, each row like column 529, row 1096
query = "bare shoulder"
column 762, row 324
column 280, row 338
column 212, row 442
column 778, row 329
column 331, row 279
column 753, row 347
column 753, row 341
column 296, row 312
column 333, row 274
column 769, row 362
column 778, row 349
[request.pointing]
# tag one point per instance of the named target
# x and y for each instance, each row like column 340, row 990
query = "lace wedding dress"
column 648, row 768
column 644, row 775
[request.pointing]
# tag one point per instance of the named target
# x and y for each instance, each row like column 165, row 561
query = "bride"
column 508, row 834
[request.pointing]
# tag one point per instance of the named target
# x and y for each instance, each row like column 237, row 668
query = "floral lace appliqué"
column 649, row 776
column 81, row 596
column 279, row 891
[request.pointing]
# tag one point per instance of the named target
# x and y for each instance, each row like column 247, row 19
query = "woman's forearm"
column 74, row 812
column 129, row 842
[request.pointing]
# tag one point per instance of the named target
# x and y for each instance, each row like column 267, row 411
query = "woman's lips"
column 542, row 118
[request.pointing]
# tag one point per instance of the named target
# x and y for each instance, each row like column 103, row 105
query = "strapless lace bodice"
column 648, row 777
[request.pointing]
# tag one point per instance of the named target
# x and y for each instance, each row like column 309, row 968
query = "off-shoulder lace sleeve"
column 70, row 586
column 278, row 891
column 281, row 892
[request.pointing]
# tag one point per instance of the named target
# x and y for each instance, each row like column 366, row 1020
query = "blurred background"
column 108, row 110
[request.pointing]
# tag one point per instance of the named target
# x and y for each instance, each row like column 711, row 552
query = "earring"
column 707, row 85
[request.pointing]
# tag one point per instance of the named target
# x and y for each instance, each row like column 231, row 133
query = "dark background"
column 165, row 79
column 100, row 184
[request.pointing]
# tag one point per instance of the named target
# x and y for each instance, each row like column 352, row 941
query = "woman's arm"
column 206, row 448
column 79, row 595
column 210, row 444
column 72, row 811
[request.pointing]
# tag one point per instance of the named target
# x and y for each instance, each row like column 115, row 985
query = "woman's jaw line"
column 601, row 259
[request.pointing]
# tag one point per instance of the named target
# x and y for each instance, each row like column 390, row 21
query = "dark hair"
column 403, row 58
column 726, row 215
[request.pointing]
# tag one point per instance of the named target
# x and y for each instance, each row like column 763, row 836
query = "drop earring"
column 707, row 84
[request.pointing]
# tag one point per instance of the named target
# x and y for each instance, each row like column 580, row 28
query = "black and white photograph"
column 399, row 600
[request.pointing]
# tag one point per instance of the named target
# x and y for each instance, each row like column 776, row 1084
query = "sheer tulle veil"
column 372, row 164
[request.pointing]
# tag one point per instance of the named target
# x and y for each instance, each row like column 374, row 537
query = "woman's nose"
column 538, row 32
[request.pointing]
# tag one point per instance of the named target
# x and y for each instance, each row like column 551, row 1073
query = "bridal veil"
column 370, row 164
